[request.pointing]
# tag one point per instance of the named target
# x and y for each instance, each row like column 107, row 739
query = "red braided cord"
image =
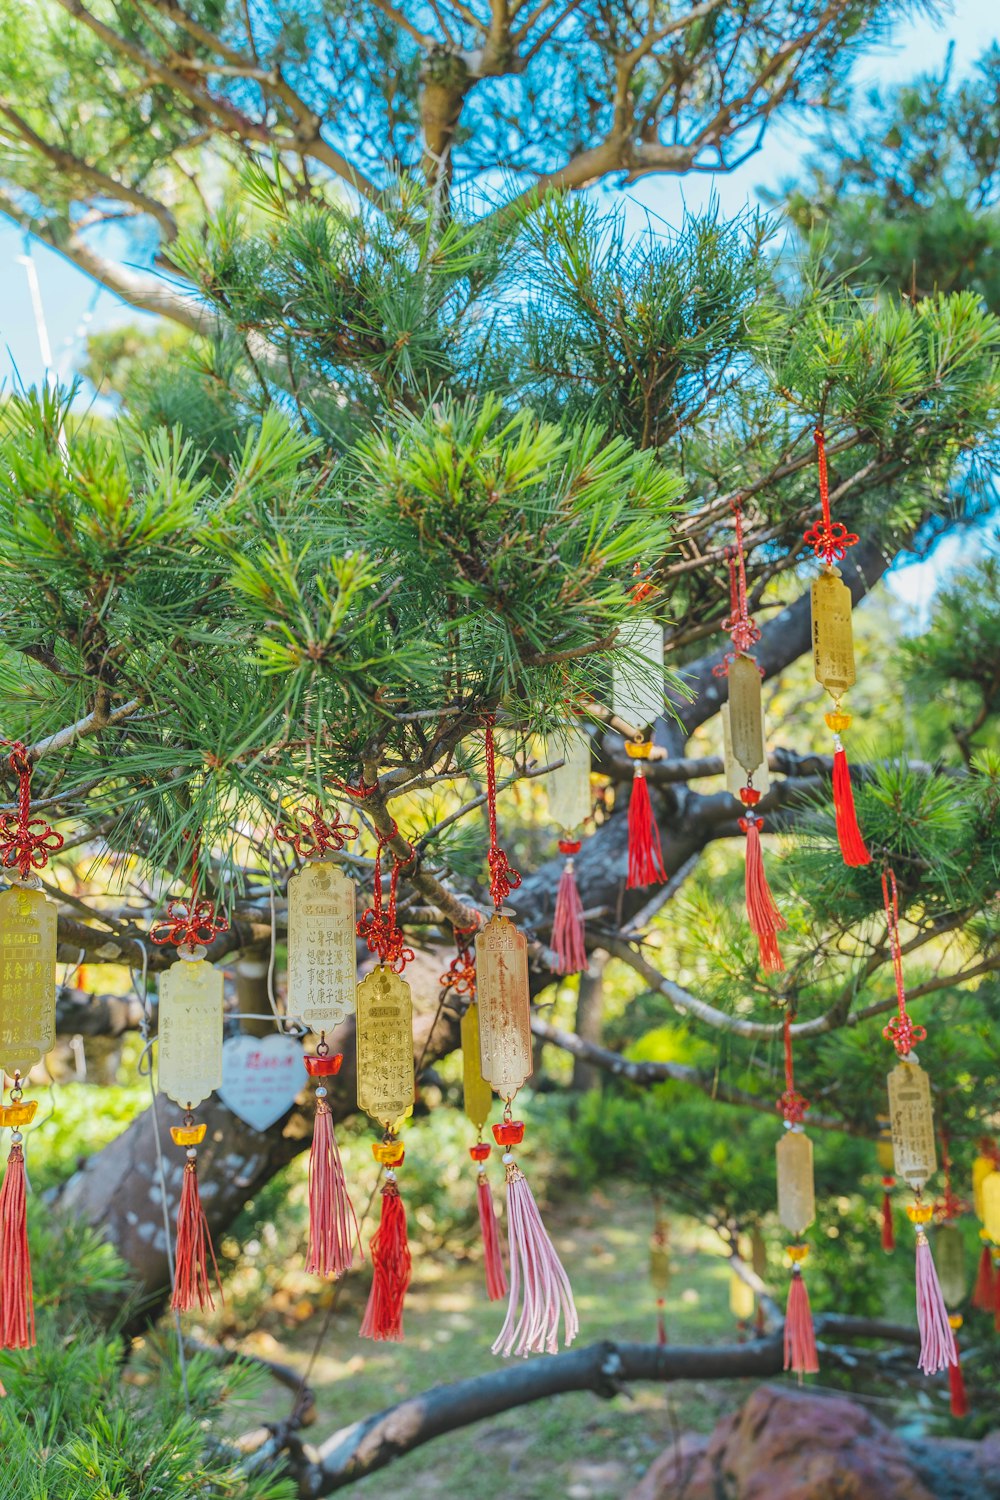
column 828, row 539
column 378, row 924
column 792, row 1104
column 745, row 631
column 190, row 922
column 25, row 842
column 503, row 879
column 900, row 1031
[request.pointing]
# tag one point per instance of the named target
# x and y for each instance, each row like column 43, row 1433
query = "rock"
column 789, row 1444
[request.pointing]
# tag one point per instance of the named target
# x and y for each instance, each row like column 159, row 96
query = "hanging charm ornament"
column 746, row 743
column 385, row 1092
column 949, row 1247
column 911, row 1117
column 886, row 1162
column 984, row 1292
column 833, row 654
column 539, row 1287
column 659, row 1271
column 637, row 699
column 322, row 990
column 28, row 942
column 478, row 1101
column 189, row 1063
column 796, row 1211
column 569, row 807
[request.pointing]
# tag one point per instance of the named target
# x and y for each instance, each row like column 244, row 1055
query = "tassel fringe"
column 568, row 937
column 537, row 1280
column 392, row 1267
column 194, row 1247
column 937, row 1341
column 956, row 1387
column 17, row 1305
column 888, row 1226
column 800, row 1337
column 661, row 1330
column 496, row 1276
column 983, row 1292
column 333, row 1226
column 645, row 855
column 763, row 915
column 852, row 845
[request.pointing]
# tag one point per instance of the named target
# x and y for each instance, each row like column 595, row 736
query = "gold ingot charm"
column 188, row 1135
column 13, row 1116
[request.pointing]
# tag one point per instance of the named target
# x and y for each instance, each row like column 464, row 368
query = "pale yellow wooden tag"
column 568, row 786
column 911, row 1116
column 322, row 952
column 833, row 639
column 385, row 1046
column 736, row 777
column 478, row 1096
column 746, row 713
column 190, row 1032
column 504, row 1005
column 637, row 684
column 28, row 922
column 796, row 1196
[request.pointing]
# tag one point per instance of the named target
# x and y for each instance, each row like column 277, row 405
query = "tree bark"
column 589, row 1021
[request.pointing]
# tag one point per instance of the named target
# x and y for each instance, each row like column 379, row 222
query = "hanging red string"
column 901, row 1031
column 311, row 835
column 503, row 878
column 800, row 1337
column 828, row 539
column 378, row 925
column 739, row 624
column 25, row 842
column 190, row 922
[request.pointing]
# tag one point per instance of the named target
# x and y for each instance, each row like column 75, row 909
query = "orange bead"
column 388, row 1153
column 510, row 1133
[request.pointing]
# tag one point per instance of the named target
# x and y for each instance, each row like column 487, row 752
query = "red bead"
column 749, row 796
column 510, row 1133
column 324, row 1067
column 569, row 846
column 480, row 1151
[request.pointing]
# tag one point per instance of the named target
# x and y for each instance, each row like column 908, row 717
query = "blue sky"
column 71, row 304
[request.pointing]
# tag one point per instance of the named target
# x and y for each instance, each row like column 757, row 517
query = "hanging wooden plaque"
column 746, row 713
column 796, row 1195
column 736, row 777
column 833, row 640
column 991, row 1206
column 504, row 1005
column 982, row 1166
column 741, row 1298
column 478, row 1096
column 322, row 951
column 637, row 685
column 911, row 1117
column 568, row 786
column 28, row 921
column 190, row 1032
column 385, row 1046
column 949, row 1258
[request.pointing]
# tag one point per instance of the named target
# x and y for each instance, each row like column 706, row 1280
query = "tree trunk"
column 590, row 1020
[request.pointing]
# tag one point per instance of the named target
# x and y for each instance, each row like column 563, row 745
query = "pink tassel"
column 763, row 915
column 937, row 1341
column 568, row 943
column 194, row 1246
column 17, row 1307
column 852, row 845
column 496, row 1276
column 800, row 1337
column 333, row 1227
column 645, row 856
column 535, row 1267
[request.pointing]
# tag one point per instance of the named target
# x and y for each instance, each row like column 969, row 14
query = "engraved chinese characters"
column 385, row 1046
column 912, row 1120
column 736, row 776
column 796, row 1200
column 190, row 1032
column 322, row 961
column 833, row 641
column 27, row 978
column 478, row 1096
column 504, row 1005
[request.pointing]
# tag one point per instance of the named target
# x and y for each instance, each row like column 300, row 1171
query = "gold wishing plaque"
column 190, row 1032
column 322, row 953
column 991, row 1206
column 385, row 1046
column 911, row 1117
column 949, row 1258
column 736, row 777
column 478, row 1096
column 568, row 786
column 796, row 1195
column 504, row 1005
column 746, row 713
column 833, row 639
column 28, row 921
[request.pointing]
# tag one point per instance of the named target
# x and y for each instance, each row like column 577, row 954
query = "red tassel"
column 568, row 943
column 17, row 1307
column 496, row 1276
column 983, row 1293
column 956, row 1385
column 194, row 1246
column 888, row 1227
column 333, row 1227
column 661, row 1327
column 800, row 1337
column 764, row 917
column 645, row 856
column 392, row 1267
column 996, row 1297
column 852, row 845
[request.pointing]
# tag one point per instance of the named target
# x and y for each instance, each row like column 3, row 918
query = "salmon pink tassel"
column 645, row 855
column 333, row 1227
column 888, row 1227
column 17, row 1309
column 496, row 1276
column 392, row 1267
column 937, row 1341
column 568, row 942
column 983, row 1293
column 194, row 1245
column 763, row 915
column 800, row 1337
column 956, row 1380
column 538, row 1283
column 852, row 845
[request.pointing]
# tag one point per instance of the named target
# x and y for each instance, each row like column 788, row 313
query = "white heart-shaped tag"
column 261, row 1077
